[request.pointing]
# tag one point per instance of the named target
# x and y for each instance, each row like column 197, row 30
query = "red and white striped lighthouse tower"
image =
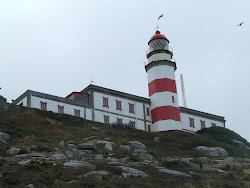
column 165, row 113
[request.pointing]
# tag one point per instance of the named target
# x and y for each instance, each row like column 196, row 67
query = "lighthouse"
column 165, row 112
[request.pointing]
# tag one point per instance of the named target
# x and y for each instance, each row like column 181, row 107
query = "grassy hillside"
column 44, row 129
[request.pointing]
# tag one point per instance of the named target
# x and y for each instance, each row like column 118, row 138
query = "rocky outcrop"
column 123, row 149
column 241, row 145
column 4, row 139
column 146, row 156
column 88, row 146
column 137, row 145
column 74, row 164
column 212, row 151
column 128, row 172
column 97, row 174
column 167, row 172
column 13, row 151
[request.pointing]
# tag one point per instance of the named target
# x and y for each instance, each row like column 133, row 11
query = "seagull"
column 240, row 24
column 160, row 16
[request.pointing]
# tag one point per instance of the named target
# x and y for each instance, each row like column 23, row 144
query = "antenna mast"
column 184, row 102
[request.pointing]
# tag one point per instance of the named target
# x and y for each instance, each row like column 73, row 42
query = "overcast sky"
column 56, row 46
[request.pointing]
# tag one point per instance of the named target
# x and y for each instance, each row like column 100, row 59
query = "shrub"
column 11, row 178
column 2, row 98
column 121, row 125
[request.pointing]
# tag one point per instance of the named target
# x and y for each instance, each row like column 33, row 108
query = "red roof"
column 158, row 35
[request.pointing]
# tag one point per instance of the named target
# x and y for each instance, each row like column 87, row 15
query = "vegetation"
column 2, row 98
column 41, row 131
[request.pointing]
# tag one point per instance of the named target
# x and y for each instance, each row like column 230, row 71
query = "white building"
column 161, row 112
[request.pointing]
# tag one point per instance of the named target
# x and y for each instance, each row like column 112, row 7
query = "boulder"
column 13, row 151
column 128, row 172
column 95, row 129
column 72, row 146
column 229, row 160
column 89, row 138
column 167, row 172
column 206, row 168
column 156, row 139
column 116, row 164
column 98, row 157
column 88, row 146
column 3, row 143
column 137, row 145
column 5, row 137
column 29, row 186
column 242, row 145
column 123, row 149
column 111, row 159
column 71, row 142
column 62, row 143
column 74, row 164
column 108, row 145
column 70, row 154
column 97, row 174
column 124, row 160
column 73, row 182
column 246, row 160
column 146, row 156
column 212, row 151
column 24, row 162
column 59, row 156
column 86, row 153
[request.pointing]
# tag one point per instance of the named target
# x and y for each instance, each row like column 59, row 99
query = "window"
column 118, row 105
column 105, row 102
column 203, row 125
column 149, row 128
column 119, row 120
column 191, row 121
column 60, row 109
column 106, row 119
column 43, row 106
column 77, row 113
column 132, row 123
column 173, row 99
column 131, row 108
column 148, row 113
column 213, row 124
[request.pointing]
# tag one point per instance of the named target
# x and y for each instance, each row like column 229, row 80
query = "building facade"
column 159, row 112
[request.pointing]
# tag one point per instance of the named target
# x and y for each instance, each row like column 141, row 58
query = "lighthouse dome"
column 158, row 42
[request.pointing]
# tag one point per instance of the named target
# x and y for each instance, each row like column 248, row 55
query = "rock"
column 73, row 182
column 70, row 154
column 124, row 160
column 116, row 164
column 29, row 186
column 156, row 139
column 13, row 151
column 98, row 157
column 71, row 142
column 242, row 145
column 88, row 146
column 123, row 149
column 95, row 129
column 97, row 174
column 20, row 156
column 187, row 160
column 205, row 168
column 128, row 171
column 146, row 156
column 246, row 160
column 72, row 146
column 5, row 137
column 3, row 144
column 74, row 164
column 112, row 159
column 86, row 154
column 24, row 162
column 229, row 160
column 62, row 143
column 57, row 149
column 212, row 151
column 89, row 138
column 137, row 145
column 167, row 172
column 140, row 151
column 108, row 145
column 59, row 156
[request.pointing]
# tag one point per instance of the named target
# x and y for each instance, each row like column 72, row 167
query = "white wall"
column 53, row 106
column 161, row 71
column 24, row 100
column 124, row 114
column 159, row 56
column 208, row 122
column 165, row 125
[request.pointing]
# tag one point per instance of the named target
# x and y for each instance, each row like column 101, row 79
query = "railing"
column 169, row 48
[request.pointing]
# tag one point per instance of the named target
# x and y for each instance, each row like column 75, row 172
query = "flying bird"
column 160, row 16
column 240, row 24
